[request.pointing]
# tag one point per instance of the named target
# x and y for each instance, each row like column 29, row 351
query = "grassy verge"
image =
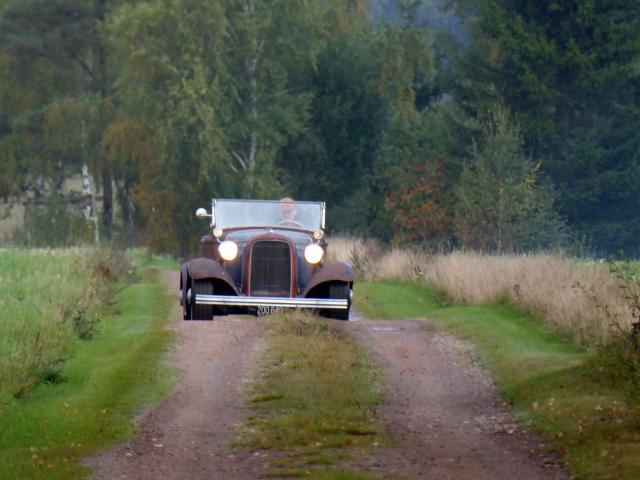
column 88, row 405
column 561, row 389
column 49, row 300
column 143, row 257
column 315, row 400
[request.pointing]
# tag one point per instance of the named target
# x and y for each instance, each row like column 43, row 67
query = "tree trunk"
column 91, row 211
column 252, row 68
column 107, row 188
column 107, row 198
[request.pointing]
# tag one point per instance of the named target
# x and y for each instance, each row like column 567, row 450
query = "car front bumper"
column 282, row 302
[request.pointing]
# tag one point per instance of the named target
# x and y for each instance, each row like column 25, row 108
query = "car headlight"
column 313, row 253
column 228, row 250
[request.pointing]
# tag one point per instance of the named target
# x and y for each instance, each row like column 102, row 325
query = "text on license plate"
column 264, row 310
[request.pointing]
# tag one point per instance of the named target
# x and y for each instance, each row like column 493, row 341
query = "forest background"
column 499, row 125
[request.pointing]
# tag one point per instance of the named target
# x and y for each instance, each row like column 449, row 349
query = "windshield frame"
column 215, row 221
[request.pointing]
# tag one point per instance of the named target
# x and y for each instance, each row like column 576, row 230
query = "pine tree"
column 501, row 206
column 568, row 70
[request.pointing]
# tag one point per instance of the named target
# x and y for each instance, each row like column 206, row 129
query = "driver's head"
column 287, row 209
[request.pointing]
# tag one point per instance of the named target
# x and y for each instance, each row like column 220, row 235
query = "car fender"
column 331, row 272
column 205, row 268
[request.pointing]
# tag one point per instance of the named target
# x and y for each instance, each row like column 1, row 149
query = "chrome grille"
column 271, row 269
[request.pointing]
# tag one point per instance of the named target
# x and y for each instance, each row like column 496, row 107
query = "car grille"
column 271, row 269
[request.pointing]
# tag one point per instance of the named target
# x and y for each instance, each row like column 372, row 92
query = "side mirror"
column 202, row 213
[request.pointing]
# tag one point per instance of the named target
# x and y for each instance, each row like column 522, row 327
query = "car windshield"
column 268, row 213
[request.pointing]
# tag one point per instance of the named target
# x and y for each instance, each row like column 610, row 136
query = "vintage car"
column 264, row 257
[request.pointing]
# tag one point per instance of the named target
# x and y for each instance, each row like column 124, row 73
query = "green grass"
column 89, row 404
column 553, row 384
column 315, row 399
column 141, row 257
column 49, row 299
column 629, row 270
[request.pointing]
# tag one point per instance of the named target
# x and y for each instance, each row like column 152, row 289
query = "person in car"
column 288, row 213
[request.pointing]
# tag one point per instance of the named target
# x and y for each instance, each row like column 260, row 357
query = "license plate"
column 265, row 310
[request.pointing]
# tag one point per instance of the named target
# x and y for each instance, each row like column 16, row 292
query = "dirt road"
column 189, row 435
column 442, row 412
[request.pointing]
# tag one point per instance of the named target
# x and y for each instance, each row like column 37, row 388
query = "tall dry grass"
column 373, row 261
column 580, row 298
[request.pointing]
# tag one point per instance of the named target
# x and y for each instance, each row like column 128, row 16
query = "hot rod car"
column 264, row 256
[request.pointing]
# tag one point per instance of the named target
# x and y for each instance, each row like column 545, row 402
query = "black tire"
column 201, row 312
column 186, row 306
column 340, row 291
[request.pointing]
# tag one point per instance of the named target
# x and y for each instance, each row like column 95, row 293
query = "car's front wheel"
column 341, row 291
column 197, row 310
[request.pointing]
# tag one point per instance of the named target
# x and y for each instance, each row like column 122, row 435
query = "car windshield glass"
column 268, row 213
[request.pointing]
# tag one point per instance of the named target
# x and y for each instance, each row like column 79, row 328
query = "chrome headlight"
column 313, row 253
column 228, row 250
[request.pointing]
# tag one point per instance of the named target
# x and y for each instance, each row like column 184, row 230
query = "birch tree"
column 67, row 36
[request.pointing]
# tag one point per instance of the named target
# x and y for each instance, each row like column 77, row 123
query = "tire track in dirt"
column 443, row 413
column 189, row 435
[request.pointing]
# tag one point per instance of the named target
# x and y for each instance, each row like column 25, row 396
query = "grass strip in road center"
column 315, row 399
column 555, row 385
column 106, row 380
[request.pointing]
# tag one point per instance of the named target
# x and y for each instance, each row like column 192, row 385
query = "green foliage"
column 569, row 71
column 53, row 224
column 173, row 102
column 618, row 360
column 219, row 109
column 59, row 68
column 326, row 162
column 500, row 206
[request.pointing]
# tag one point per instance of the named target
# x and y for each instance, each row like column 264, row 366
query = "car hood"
column 242, row 237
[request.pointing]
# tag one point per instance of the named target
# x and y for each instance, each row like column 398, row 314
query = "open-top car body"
column 264, row 256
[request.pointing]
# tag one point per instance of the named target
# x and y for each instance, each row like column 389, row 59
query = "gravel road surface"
column 442, row 412
column 188, row 436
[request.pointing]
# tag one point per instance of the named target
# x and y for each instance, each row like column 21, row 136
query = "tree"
column 420, row 208
column 568, row 70
column 271, row 46
column 215, row 84
column 501, row 206
column 65, row 38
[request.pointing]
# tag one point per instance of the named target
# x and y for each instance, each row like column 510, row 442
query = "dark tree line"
column 502, row 125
